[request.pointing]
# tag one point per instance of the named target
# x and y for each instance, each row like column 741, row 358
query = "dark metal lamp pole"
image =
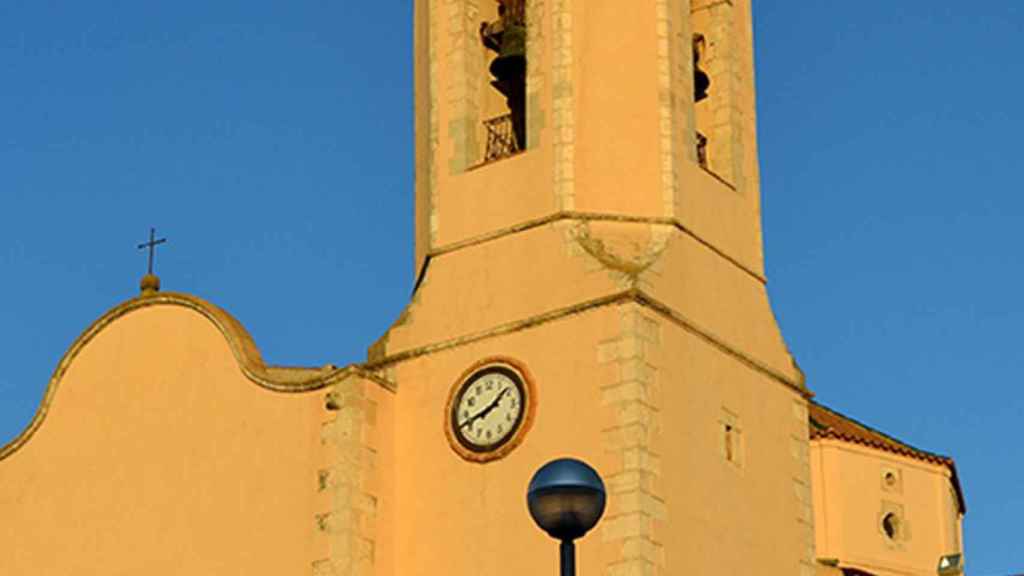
column 568, row 563
column 566, row 498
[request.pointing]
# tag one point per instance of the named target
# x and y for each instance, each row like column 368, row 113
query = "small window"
column 892, row 480
column 730, row 443
column 891, row 526
column 731, row 438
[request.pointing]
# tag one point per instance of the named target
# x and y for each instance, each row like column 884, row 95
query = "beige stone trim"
column 800, row 452
column 464, row 69
column 275, row 378
column 682, row 84
column 623, row 297
column 433, row 66
column 563, row 87
column 535, row 68
column 595, row 217
column 350, row 481
column 669, row 123
column 636, row 506
column 727, row 127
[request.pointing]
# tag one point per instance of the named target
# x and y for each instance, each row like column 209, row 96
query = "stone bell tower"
column 600, row 265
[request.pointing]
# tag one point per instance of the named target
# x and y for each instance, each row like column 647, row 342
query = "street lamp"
column 566, row 499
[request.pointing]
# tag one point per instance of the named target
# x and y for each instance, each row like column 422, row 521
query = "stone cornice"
column 595, row 217
column 794, row 381
column 250, row 362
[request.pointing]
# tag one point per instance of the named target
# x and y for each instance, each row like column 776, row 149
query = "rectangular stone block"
column 643, row 549
column 632, row 525
column 800, row 413
column 638, row 501
column 628, row 391
column 635, row 412
column 632, row 347
column 799, row 449
column 634, row 479
column 642, row 459
column 634, row 567
column 637, row 369
column 325, row 567
column 607, row 351
column 622, row 437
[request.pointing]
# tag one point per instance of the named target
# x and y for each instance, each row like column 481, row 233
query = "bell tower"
column 613, row 124
column 588, row 240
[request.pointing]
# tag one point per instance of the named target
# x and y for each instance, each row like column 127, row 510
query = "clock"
column 489, row 409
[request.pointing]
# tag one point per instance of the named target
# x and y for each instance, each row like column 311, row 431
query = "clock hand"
column 485, row 411
column 494, row 404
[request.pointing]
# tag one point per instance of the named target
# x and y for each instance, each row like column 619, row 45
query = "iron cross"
column 151, row 245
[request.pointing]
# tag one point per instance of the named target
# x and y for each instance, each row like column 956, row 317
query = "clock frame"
column 523, row 381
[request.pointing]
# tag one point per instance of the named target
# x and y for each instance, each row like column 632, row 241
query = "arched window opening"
column 701, row 84
column 722, row 101
column 505, row 36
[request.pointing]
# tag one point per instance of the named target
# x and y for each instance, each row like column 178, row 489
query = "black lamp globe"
column 566, row 498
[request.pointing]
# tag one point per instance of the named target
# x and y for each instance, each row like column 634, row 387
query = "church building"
column 590, row 283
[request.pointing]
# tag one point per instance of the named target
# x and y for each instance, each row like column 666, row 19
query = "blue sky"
column 272, row 143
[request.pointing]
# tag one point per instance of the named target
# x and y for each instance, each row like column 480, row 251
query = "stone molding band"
column 630, row 295
column 593, row 217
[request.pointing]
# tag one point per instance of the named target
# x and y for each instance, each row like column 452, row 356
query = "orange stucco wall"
column 157, row 456
column 851, row 497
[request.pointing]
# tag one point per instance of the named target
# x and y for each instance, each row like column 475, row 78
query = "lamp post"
column 566, row 498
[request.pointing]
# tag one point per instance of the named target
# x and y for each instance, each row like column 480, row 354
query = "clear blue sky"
column 271, row 142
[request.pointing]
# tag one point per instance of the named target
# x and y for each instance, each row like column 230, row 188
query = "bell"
column 701, row 83
column 507, row 37
column 510, row 63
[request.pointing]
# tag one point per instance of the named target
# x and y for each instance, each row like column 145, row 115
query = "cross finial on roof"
column 152, row 244
column 150, row 283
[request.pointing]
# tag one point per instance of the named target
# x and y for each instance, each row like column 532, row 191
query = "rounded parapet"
column 244, row 350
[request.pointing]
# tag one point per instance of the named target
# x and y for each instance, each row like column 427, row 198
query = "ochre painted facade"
column 620, row 269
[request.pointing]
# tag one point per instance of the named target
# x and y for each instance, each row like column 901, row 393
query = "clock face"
column 488, row 408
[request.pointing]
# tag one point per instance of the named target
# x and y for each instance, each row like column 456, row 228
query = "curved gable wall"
column 158, row 455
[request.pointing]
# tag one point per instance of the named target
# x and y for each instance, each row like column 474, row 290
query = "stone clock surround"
column 529, row 405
